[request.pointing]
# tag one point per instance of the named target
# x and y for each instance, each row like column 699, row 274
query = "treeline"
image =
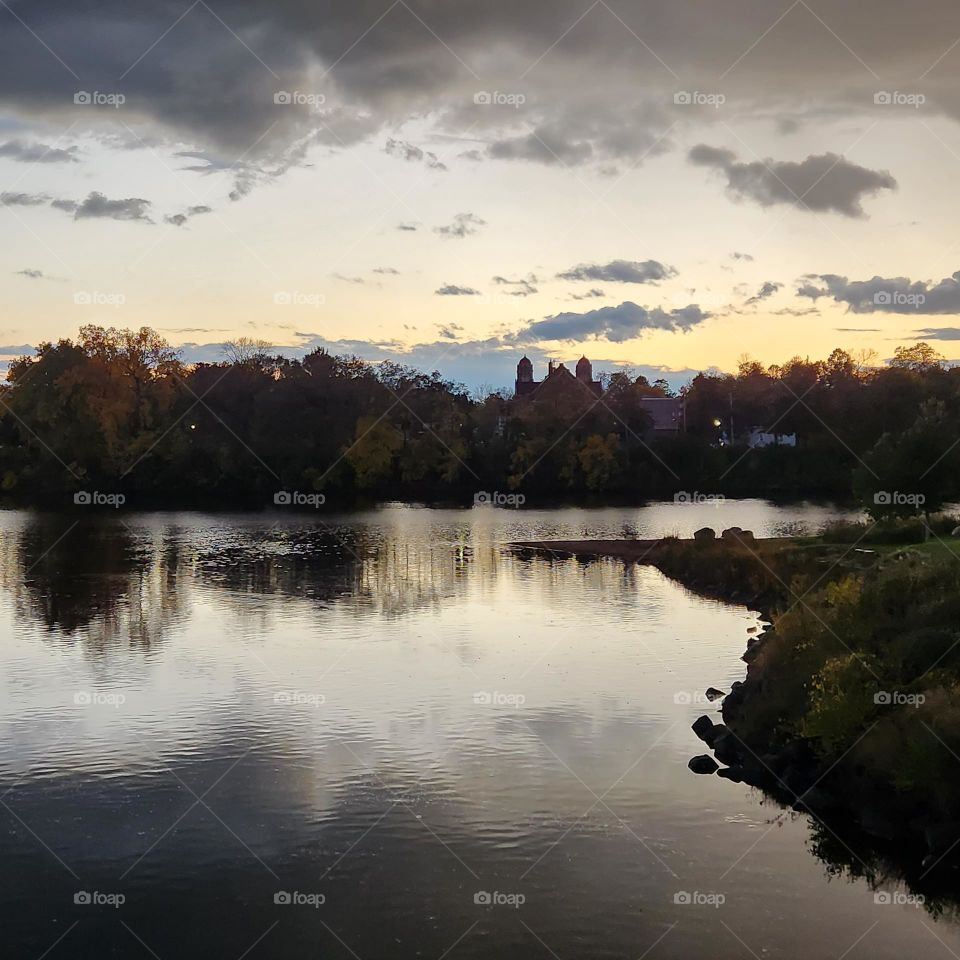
column 117, row 411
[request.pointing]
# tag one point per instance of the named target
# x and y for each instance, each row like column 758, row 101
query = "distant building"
column 666, row 413
column 762, row 438
column 558, row 379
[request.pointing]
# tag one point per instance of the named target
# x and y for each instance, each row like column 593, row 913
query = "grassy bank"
column 850, row 708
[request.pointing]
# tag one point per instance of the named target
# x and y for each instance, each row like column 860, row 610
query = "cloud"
column 179, row 219
column 387, row 271
column 591, row 294
column 741, row 256
column 452, row 290
column 408, row 227
column 523, row 287
column 767, row 290
column 202, row 88
column 464, row 225
column 824, row 183
column 549, row 146
column 32, row 274
column 938, row 333
column 37, row 152
column 614, row 324
column 474, row 362
column 11, row 199
column 408, row 151
column 97, row 206
column 886, row 294
column 620, row 271
column 359, row 281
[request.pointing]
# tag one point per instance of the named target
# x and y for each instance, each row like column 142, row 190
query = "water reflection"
column 394, row 712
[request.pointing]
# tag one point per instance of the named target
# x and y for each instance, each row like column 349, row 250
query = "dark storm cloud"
column 886, row 294
column 827, row 182
column 37, row 152
column 615, row 324
column 211, row 80
column 464, row 224
column 620, row 271
column 452, row 290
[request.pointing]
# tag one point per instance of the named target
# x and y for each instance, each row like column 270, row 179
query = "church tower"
column 525, row 384
column 584, row 370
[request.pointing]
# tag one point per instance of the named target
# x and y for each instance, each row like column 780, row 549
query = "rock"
column 731, row 773
column 726, row 746
column 703, row 728
column 731, row 533
column 704, row 764
column 751, row 629
column 705, row 534
column 713, row 693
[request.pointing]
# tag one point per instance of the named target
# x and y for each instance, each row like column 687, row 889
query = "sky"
column 658, row 185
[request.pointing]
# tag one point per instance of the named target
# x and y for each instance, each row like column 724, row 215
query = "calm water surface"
column 430, row 747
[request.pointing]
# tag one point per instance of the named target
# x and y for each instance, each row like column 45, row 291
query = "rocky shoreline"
column 875, row 829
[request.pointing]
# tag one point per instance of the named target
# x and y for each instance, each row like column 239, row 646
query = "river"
column 382, row 734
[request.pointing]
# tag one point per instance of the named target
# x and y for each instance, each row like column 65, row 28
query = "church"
column 667, row 414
